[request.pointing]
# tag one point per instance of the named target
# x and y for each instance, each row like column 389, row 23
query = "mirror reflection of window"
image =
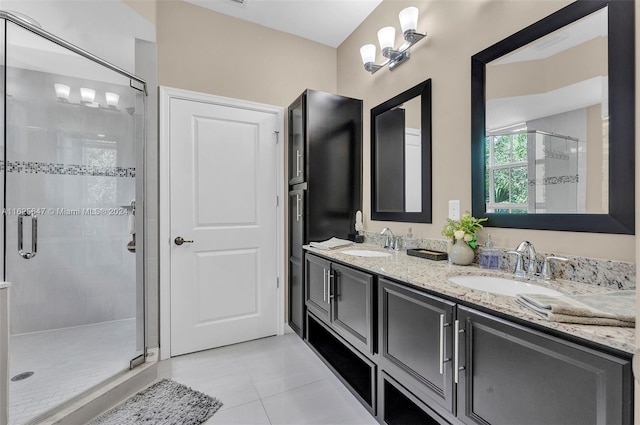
column 547, row 123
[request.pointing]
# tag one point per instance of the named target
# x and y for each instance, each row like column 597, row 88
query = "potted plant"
column 462, row 233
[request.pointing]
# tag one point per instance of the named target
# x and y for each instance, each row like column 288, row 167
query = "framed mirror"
column 401, row 157
column 552, row 121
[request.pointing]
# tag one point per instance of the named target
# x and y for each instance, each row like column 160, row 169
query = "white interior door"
column 223, row 188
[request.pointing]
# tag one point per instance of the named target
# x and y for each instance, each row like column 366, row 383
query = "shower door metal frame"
column 135, row 83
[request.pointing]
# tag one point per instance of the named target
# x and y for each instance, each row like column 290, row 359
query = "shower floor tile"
column 65, row 362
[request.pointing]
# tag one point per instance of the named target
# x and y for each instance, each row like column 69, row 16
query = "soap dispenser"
column 488, row 255
column 409, row 241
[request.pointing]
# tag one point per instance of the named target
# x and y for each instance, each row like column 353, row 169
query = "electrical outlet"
column 454, row 210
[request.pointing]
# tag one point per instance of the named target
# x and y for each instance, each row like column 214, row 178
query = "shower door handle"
column 34, row 236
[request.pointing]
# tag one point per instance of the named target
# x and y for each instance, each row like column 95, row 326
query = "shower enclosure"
column 72, row 223
column 533, row 171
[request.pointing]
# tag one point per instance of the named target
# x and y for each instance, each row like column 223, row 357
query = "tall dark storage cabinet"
column 325, row 180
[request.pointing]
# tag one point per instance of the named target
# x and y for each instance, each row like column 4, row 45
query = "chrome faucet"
column 390, row 242
column 546, row 267
column 531, row 270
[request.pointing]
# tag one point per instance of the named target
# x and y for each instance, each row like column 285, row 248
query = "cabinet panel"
column 297, row 142
column 518, row 375
column 296, row 223
column 334, row 163
column 296, row 296
column 316, row 285
column 416, row 346
column 352, row 294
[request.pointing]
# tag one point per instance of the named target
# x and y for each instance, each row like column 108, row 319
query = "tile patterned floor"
column 66, row 362
column 276, row 380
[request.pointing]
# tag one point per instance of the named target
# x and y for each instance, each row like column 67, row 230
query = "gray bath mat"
column 163, row 403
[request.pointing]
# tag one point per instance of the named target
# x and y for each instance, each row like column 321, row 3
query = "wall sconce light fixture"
column 112, row 99
column 62, row 91
column 386, row 39
column 87, row 95
column 87, row 98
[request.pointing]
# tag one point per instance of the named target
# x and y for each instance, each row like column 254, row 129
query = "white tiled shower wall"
column 115, row 32
column 75, row 166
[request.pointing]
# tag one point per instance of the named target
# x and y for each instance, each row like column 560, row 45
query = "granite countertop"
column 432, row 275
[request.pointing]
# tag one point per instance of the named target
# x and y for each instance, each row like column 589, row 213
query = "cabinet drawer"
column 416, row 341
column 513, row 374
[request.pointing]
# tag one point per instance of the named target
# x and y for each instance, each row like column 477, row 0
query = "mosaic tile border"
column 554, row 180
column 66, row 169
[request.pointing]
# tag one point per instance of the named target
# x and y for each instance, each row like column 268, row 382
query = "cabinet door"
column 296, row 223
column 416, row 341
column 351, row 293
column 316, row 285
column 297, row 137
column 296, row 296
column 515, row 375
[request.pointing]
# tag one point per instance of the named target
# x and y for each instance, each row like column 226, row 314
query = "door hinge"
column 277, row 282
column 277, row 136
column 277, row 201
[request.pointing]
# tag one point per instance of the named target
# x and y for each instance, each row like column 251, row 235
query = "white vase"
column 461, row 253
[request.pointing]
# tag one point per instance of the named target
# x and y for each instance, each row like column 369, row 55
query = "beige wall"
column 146, row 8
column 456, row 31
column 206, row 51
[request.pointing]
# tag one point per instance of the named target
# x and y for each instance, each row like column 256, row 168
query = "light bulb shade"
column 386, row 37
column 87, row 95
column 408, row 19
column 112, row 99
column 368, row 53
column 62, row 91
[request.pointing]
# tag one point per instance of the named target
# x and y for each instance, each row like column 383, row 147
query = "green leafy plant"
column 465, row 228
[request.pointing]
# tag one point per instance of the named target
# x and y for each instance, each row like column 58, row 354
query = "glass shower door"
column 73, row 222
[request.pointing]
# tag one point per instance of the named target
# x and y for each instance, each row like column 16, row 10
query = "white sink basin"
column 365, row 253
column 498, row 285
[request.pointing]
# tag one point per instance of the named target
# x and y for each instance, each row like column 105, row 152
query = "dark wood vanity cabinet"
column 325, row 180
column 340, row 324
column 515, row 375
column 416, row 344
column 412, row 357
column 343, row 298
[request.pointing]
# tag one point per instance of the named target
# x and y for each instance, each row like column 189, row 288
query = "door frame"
column 166, row 95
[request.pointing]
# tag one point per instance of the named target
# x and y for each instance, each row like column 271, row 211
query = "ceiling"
column 328, row 22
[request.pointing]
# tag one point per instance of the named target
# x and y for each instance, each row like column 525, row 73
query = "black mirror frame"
column 621, row 61
column 424, row 91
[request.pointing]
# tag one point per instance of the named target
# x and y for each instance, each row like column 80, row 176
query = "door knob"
column 180, row 240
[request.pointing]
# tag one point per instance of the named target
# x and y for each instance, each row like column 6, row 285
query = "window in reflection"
column 554, row 159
